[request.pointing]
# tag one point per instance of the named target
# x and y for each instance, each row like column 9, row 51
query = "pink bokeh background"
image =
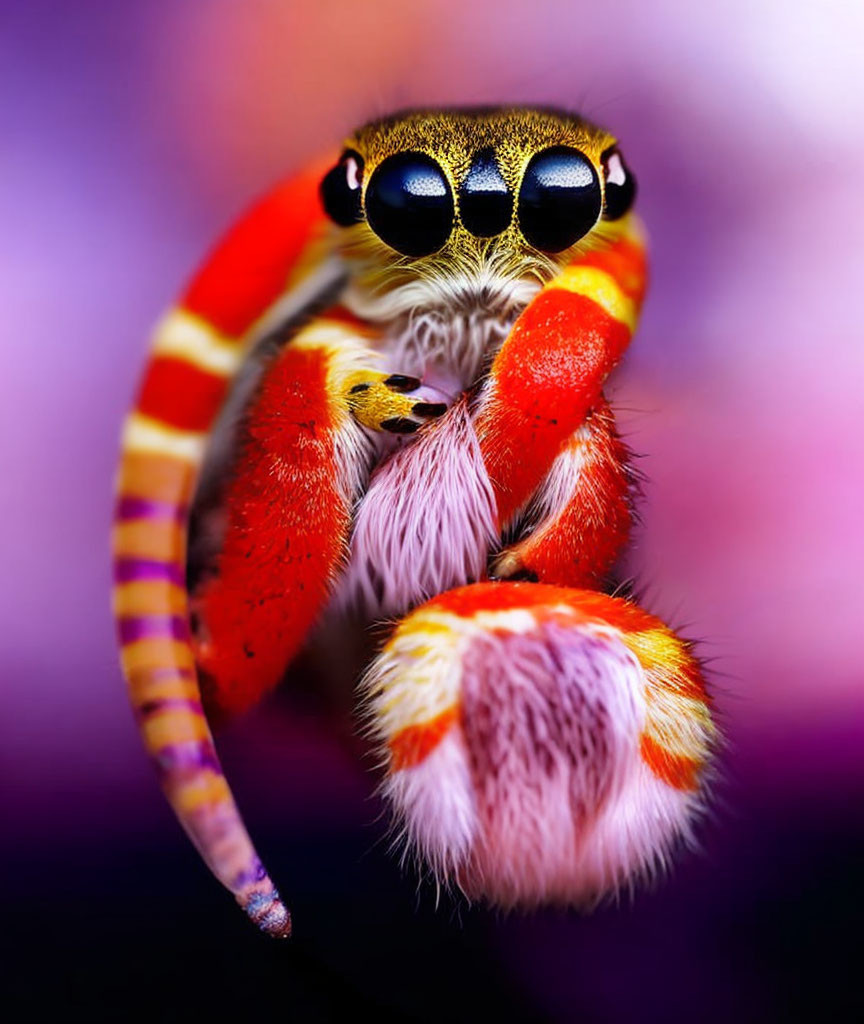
column 133, row 133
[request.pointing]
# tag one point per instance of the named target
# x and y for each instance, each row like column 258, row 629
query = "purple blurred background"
column 130, row 135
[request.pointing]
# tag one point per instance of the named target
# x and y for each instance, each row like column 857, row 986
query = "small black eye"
column 341, row 192
column 409, row 204
column 559, row 200
column 485, row 205
column 620, row 185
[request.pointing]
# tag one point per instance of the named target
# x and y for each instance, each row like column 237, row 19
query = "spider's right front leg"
column 305, row 454
column 580, row 517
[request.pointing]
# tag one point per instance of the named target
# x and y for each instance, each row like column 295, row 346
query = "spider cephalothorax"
column 453, row 220
column 403, row 352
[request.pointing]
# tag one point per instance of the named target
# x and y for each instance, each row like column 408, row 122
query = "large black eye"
column 559, row 200
column 620, row 185
column 409, row 204
column 341, row 192
column 485, row 205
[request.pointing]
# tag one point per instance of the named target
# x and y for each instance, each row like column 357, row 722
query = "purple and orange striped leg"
column 580, row 519
column 550, row 370
column 197, row 349
column 542, row 744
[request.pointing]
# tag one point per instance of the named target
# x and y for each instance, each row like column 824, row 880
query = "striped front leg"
column 197, row 349
column 551, row 368
column 580, row 518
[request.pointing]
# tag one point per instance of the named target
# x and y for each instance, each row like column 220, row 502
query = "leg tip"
column 269, row 913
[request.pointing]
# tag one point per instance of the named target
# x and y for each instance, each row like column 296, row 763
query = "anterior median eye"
column 560, row 198
column 409, row 204
column 341, row 192
column 485, row 204
column 620, row 185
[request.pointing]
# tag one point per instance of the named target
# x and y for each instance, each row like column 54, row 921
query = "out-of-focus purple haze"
column 131, row 135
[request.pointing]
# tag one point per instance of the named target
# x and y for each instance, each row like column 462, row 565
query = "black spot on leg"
column 247, row 650
column 527, row 575
column 398, row 425
column 399, row 382
column 429, row 408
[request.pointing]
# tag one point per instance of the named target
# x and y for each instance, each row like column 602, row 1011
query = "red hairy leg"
column 582, row 511
column 550, row 371
column 288, row 506
column 303, row 460
column 196, row 350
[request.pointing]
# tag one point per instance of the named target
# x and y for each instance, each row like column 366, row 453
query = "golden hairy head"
column 510, row 191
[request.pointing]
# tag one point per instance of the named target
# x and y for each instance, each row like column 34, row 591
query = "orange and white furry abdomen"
column 533, row 753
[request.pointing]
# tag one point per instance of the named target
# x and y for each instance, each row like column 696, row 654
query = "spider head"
column 442, row 208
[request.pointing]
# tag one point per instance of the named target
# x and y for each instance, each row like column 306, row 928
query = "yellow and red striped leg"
column 197, row 349
column 542, row 744
column 549, row 373
column 580, row 518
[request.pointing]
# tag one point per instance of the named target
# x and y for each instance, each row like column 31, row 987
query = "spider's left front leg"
column 306, row 449
column 579, row 520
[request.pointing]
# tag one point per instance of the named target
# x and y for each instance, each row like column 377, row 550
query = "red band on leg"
column 250, row 268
